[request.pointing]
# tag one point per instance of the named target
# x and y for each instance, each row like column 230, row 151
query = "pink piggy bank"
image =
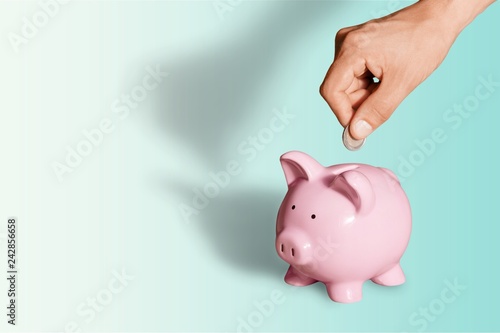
column 342, row 225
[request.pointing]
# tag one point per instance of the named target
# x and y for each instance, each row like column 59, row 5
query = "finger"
column 358, row 97
column 377, row 108
column 359, row 83
column 333, row 89
column 339, row 78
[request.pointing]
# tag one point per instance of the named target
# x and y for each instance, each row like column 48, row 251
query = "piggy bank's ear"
column 299, row 165
column 357, row 188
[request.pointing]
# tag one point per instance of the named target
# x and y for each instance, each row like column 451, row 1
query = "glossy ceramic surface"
column 342, row 225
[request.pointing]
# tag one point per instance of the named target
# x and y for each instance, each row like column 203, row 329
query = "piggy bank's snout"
column 294, row 247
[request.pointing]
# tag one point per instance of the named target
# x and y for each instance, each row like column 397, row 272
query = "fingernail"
column 362, row 129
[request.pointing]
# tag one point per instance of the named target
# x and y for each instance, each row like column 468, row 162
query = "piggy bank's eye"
column 313, row 216
column 293, row 207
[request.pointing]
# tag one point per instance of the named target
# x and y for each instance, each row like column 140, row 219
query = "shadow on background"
column 206, row 101
column 208, row 96
column 242, row 227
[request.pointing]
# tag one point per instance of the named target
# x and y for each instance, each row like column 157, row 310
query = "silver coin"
column 349, row 142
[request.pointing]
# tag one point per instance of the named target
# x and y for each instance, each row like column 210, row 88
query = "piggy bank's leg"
column 296, row 278
column 393, row 277
column 345, row 292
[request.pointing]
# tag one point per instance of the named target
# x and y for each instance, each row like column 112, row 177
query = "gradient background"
column 120, row 208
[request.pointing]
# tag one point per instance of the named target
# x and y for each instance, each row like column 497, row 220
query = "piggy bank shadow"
column 206, row 101
column 242, row 228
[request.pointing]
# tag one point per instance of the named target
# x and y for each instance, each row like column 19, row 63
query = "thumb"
column 376, row 109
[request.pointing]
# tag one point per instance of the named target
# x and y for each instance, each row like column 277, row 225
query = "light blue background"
column 119, row 209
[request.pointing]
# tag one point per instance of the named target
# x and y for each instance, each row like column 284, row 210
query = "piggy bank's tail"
column 391, row 174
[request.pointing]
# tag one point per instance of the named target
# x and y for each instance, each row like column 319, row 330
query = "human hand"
column 401, row 50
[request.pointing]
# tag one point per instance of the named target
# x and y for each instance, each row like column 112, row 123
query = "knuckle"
column 341, row 34
column 371, row 26
column 356, row 39
column 323, row 91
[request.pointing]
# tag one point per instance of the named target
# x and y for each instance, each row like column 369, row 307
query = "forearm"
column 457, row 13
